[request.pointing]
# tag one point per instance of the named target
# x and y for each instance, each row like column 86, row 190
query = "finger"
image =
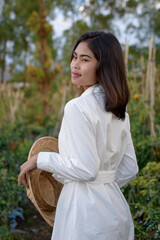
column 19, row 179
column 24, row 180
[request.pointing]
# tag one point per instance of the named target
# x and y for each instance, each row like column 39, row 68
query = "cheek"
column 93, row 75
column 95, row 70
column 92, row 72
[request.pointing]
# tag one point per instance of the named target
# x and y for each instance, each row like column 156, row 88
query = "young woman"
column 96, row 154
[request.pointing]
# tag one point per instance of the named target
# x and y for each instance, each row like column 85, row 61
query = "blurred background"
column 36, row 39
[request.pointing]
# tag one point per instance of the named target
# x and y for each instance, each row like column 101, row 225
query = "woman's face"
column 83, row 66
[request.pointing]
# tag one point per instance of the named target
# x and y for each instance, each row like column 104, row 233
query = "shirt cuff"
column 43, row 161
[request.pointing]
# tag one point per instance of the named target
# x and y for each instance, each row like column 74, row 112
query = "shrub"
column 14, row 150
column 142, row 195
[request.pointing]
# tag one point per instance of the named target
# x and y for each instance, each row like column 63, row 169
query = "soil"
column 34, row 226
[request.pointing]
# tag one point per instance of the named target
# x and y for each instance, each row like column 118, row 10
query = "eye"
column 75, row 57
column 84, row 60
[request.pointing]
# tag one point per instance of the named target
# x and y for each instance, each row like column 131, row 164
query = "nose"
column 77, row 67
column 75, row 64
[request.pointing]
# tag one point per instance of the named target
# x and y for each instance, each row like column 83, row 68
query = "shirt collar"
column 94, row 88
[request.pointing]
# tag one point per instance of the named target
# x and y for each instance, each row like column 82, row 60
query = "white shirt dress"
column 96, row 158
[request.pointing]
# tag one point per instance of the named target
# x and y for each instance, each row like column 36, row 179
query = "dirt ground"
column 34, row 226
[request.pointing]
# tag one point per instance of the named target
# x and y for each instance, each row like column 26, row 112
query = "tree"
column 14, row 34
column 144, row 18
column 26, row 35
column 43, row 69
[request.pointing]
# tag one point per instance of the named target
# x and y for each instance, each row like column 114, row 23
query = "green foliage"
column 6, row 235
column 15, row 142
column 19, row 40
column 147, row 13
column 146, row 146
column 143, row 197
column 14, row 150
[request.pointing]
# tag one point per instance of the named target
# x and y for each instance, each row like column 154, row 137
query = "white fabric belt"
column 104, row 177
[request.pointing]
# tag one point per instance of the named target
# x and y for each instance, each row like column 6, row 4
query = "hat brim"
column 43, row 189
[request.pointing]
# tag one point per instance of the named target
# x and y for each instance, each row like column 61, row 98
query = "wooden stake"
column 126, row 54
column 151, row 78
column 143, row 75
column 148, row 69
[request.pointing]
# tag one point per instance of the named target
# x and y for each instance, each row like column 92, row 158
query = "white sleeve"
column 82, row 163
column 128, row 168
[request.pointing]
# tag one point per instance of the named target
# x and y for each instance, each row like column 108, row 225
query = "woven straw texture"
column 43, row 189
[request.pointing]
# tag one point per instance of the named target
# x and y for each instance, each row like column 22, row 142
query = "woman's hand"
column 29, row 165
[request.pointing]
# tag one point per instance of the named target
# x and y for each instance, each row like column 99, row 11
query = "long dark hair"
column 111, row 73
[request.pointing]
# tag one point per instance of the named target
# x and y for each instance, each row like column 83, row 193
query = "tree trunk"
column 45, row 98
column 43, row 57
column 143, row 76
column 3, row 60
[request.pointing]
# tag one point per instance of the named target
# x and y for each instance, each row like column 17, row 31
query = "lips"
column 74, row 74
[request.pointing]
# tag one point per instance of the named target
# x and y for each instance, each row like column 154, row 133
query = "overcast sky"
column 60, row 24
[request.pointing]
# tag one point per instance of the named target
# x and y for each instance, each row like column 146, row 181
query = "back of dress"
column 96, row 157
column 113, row 138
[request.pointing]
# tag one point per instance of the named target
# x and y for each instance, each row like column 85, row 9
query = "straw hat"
column 43, row 189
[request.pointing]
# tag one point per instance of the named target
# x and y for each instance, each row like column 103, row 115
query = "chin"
column 74, row 82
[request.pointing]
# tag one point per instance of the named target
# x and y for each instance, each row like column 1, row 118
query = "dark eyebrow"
column 83, row 55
